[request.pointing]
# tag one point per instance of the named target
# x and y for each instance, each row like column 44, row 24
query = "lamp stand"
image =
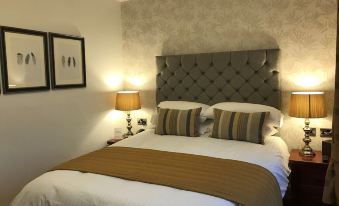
column 307, row 150
column 129, row 126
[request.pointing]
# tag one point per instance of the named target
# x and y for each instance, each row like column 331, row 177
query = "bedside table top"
column 295, row 157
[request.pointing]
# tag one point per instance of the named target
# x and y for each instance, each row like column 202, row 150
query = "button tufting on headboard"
column 240, row 76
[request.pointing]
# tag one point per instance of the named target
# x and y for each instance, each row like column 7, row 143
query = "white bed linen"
column 74, row 188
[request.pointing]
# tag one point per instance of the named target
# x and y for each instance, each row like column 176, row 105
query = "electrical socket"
column 313, row 132
column 325, row 132
column 142, row 121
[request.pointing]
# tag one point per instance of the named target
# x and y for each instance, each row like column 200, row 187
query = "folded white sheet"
column 75, row 188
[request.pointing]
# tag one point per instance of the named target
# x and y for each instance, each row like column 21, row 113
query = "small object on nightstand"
column 326, row 145
column 114, row 140
column 307, row 178
column 140, row 130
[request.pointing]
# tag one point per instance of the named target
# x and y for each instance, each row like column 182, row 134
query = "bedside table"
column 307, row 179
column 114, row 140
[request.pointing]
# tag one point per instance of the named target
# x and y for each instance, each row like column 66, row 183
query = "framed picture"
column 68, row 63
column 24, row 60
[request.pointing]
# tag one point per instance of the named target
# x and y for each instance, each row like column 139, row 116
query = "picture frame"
column 68, row 61
column 24, row 60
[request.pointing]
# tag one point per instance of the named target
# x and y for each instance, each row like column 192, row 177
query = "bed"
column 245, row 76
column 76, row 188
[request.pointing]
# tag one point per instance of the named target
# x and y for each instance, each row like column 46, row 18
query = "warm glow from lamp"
column 136, row 81
column 114, row 81
column 308, row 81
column 309, row 78
column 115, row 115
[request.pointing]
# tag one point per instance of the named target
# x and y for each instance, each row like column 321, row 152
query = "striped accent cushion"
column 239, row 126
column 178, row 122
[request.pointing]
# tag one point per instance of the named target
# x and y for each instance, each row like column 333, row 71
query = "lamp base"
column 126, row 135
column 307, row 151
column 129, row 126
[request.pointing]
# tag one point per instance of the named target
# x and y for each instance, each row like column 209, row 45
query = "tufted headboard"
column 239, row 76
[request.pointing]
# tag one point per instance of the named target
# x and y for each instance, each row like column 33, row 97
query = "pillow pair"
column 275, row 120
column 250, row 127
column 227, row 125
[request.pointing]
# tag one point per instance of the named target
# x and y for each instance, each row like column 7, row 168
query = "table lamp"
column 128, row 101
column 307, row 105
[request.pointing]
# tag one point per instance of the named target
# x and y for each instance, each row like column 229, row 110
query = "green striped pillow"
column 239, row 126
column 178, row 122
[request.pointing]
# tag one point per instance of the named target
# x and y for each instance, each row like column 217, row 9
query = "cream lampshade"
column 307, row 105
column 128, row 101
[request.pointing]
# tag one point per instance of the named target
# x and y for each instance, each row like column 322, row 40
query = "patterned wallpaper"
column 304, row 30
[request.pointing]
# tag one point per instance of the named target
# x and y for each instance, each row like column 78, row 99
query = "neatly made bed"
column 242, row 76
column 76, row 188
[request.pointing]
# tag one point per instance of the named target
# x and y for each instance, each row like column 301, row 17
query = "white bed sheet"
column 85, row 189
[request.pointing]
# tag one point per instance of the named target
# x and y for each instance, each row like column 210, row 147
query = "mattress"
column 76, row 188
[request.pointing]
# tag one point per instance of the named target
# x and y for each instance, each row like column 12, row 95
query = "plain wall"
column 305, row 32
column 39, row 130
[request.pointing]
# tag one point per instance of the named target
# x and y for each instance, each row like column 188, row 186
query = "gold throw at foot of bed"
column 243, row 183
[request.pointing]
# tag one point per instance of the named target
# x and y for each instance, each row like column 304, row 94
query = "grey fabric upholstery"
column 240, row 76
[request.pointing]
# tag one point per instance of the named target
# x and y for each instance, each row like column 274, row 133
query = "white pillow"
column 206, row 127
column 275, row 118
column 154, row 121
column 269, row 131
column 184, row 105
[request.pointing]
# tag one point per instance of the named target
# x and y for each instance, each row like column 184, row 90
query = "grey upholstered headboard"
column 239, row 76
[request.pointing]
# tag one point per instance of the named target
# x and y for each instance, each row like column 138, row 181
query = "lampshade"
column 307, row 105
column 127, row 101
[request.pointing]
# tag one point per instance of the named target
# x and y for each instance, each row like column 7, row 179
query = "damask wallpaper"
column 304, row 30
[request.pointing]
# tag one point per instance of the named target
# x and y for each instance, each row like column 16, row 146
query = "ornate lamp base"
column 129, row 126
column 307, row 151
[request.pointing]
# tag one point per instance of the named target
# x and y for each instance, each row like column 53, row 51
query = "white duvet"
column 73, row 188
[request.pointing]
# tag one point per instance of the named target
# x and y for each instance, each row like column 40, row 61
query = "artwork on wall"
column 68, row 65
column 24, row 60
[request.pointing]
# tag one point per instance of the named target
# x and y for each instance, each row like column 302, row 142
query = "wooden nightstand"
column 114, row 140
column 307, row 179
